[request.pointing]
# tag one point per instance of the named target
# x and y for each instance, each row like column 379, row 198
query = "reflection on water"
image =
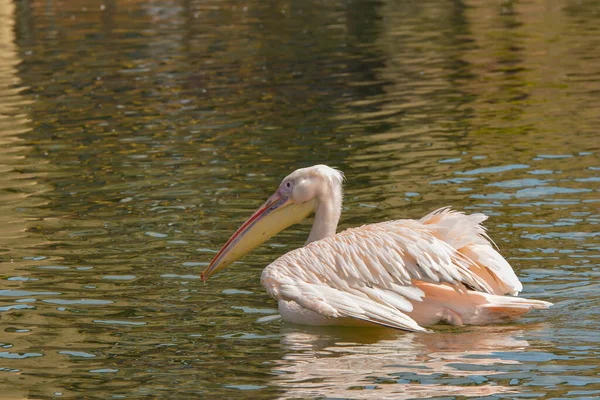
column 135, row 136
column 16, row 183
column 405, row 366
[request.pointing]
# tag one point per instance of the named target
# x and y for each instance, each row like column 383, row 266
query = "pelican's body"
column 404, row 274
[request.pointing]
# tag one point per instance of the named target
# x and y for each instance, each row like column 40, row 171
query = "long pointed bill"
column 271, row 218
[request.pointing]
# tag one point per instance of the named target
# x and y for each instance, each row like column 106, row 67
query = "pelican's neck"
column 327, row 214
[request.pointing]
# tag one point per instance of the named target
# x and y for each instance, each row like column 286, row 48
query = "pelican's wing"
column 335, row 303
column 368, row 272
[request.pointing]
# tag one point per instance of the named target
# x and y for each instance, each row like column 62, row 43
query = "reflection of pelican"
column 403, row 274
column 338, row 365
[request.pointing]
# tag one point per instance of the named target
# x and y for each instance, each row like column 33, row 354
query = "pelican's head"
column 298, row 196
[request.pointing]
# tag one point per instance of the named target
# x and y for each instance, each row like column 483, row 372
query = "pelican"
column 404, row 274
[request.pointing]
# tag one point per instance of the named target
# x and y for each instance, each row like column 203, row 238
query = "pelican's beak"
column 275, row 215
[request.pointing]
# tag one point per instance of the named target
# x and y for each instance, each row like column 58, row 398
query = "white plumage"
column 405, row 274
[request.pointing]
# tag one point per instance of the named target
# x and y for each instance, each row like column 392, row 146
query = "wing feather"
column 333, row 303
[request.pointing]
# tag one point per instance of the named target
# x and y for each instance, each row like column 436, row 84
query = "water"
column 136, row 136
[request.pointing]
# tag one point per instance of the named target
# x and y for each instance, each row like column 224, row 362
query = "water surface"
column 136, row 136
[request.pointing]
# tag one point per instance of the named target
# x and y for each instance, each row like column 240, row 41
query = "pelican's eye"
column 287, row 187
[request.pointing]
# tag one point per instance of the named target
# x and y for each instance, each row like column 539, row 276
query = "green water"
column 135, row 136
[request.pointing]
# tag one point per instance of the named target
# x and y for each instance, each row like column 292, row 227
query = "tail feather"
column 516, row 302
column 502, row 308
column 444, row 303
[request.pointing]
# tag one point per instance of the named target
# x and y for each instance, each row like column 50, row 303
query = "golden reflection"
column 15, row 185
column 388, row 364
column 16, row 189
